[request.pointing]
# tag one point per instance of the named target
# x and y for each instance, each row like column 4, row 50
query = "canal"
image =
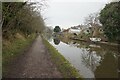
column 90, row 59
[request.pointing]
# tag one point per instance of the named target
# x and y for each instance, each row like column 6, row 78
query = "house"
column 86, row 33
column 74, row 31
column 93, row 34
column 64, row 33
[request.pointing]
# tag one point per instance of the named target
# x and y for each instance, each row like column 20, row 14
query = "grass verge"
column 67, row 70
column 14, row 48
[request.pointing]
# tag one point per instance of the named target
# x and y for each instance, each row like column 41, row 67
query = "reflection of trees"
column 90, row 59
column 108, row 67
column 97, row 61
column 91, row 56
column 56, row 41
column 94, row 57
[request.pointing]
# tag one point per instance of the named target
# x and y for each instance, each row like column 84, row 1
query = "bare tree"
column 92, row 20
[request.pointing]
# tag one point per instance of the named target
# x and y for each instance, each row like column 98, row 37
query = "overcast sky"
column 67, row 13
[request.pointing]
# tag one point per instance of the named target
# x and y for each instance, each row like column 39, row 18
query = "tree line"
column 108, row 19
column 22, row 17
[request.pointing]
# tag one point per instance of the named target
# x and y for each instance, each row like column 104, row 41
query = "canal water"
column 90, row 59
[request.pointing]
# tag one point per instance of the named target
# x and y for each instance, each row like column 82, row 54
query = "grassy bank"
column 62, row 64
column 14, row 47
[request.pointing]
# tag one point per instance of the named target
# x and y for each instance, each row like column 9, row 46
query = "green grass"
column 14, row 48
column 67, row 70
column 10, row 50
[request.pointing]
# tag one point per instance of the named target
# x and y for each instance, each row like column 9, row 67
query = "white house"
column 76, row 31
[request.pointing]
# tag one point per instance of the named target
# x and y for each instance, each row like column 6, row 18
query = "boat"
column 95, row 39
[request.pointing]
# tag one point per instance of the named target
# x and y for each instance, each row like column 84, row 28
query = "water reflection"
column 91, row 60
column 108, row 67
column 56, row 41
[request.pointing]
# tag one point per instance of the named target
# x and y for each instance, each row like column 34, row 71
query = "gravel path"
column 34, row 63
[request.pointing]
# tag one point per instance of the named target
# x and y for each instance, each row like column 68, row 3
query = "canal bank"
column 98, row 42
column 91, row 60
column 66, row 69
